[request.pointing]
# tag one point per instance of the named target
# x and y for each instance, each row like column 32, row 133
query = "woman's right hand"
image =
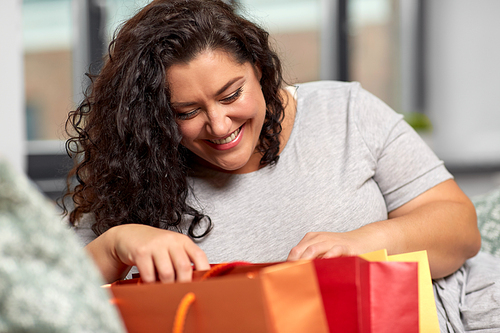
column 156, row 252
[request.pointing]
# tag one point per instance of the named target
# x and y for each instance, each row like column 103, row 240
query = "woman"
column 194, row 152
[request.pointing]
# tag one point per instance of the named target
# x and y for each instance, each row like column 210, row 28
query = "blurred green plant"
column 419, row 121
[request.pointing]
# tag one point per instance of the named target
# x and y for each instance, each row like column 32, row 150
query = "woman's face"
column 220, row 109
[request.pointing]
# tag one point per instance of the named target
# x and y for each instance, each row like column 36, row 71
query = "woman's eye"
column 187, row 115
column 233, row 97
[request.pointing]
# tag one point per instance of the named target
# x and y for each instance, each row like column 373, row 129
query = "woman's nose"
column 219, row 123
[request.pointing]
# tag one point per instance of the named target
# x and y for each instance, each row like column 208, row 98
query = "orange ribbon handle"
column 221, row 269
column 181, row 313
column 189, row 298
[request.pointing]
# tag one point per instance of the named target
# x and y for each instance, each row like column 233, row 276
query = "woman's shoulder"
column 328, row 86
column 349, row 97
column 338, row 95
column 327, row 98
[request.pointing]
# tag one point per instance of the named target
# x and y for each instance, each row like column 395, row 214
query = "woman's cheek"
column 187, row 130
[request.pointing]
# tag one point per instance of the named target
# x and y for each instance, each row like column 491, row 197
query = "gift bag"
column 281, row 298
column 428, row 319
column 360, row 296
column 355, row 295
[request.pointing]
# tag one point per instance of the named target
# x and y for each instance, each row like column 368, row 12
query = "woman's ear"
column 258, row 71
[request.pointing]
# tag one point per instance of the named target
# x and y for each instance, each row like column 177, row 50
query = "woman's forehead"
column 212, row 70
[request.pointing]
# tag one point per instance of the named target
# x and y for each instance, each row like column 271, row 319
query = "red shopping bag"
column 369, row 297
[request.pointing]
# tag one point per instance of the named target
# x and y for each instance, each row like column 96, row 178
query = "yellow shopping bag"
column 428, row 319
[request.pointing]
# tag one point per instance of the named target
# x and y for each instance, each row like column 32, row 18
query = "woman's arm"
column 442, row 221
column 156, row 252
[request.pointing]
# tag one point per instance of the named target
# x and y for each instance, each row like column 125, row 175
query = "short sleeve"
column 404, row 165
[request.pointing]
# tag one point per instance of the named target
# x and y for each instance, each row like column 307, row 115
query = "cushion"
column 488, row 219
column 47, row 281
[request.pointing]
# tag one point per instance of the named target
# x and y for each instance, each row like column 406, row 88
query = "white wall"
column 12, row 123
column 463, row 72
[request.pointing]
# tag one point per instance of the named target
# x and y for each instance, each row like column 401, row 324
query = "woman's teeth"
column 228, row 139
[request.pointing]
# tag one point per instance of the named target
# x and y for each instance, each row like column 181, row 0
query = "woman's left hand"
column 326, row 245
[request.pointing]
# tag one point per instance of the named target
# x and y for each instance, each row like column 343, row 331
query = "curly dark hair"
column 129, row 163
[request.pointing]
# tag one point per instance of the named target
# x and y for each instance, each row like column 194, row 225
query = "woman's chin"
column 228, row 167
column 243, row 165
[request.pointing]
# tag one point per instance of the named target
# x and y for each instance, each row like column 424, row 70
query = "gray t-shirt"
column 349, row 160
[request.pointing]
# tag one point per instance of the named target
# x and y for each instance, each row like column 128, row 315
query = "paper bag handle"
column 181, row 313
column 221, row 269
column 189, row 298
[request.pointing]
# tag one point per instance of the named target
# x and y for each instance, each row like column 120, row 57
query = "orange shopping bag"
column 281, row 298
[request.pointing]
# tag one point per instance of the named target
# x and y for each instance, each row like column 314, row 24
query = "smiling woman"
column 192, row 150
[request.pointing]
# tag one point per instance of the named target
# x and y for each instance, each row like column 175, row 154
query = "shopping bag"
column 360, row 296
column 356, row 296
column 278, row 298
column 428, row 319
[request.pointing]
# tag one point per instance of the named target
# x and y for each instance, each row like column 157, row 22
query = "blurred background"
column 437, row 62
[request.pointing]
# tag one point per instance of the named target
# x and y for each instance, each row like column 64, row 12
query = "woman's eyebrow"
column 220, row 91
column 180, row 105
column 228, row 84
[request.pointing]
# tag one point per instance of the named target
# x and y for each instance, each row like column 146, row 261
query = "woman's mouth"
column 230, row 141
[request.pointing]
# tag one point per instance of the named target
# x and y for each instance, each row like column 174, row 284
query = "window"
column 48, row 62
column 47, row 41
column 295, row 29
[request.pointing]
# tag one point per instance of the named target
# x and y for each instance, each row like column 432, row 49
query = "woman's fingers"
column 319, row 245
column 177, row 263
column 157, row 253
column 337, row 251
column 310, row 251
column 197, row 257
column 303, row 247
column 319, row 250
column 182, row 264
column 146, row 267
column 164, row 267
